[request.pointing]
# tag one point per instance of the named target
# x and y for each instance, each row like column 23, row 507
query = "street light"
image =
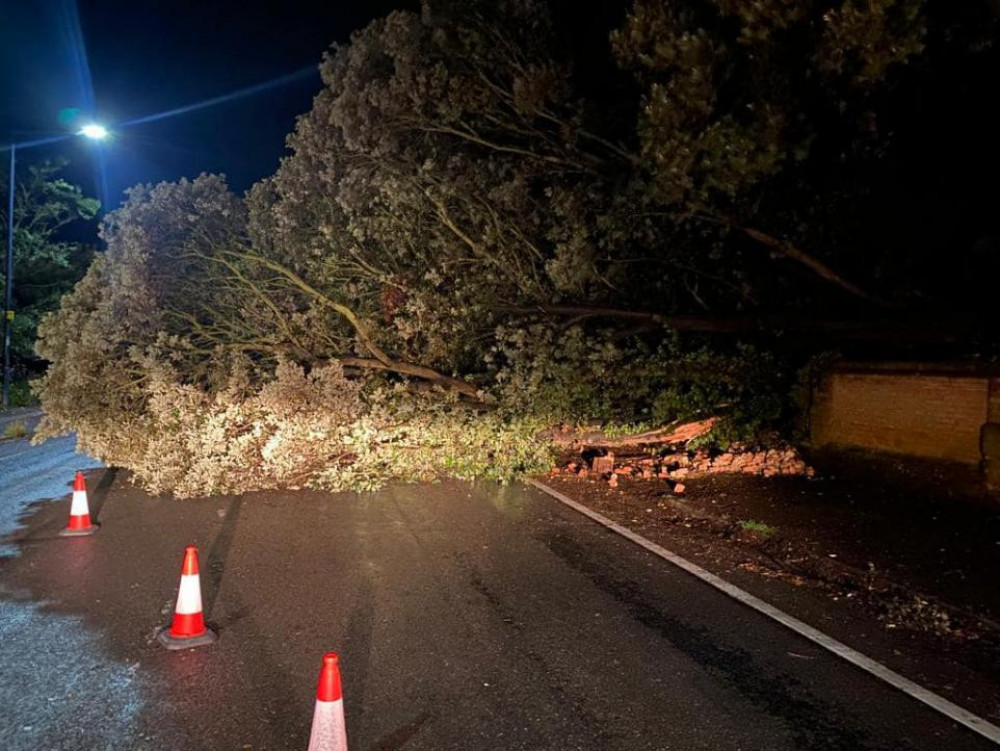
column 92, row 131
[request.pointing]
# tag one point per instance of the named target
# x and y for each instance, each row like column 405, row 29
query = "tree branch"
column 385, row 361
column 788, row 250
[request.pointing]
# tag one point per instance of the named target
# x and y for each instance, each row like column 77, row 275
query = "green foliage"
column 127, row 313
column 754, row 526
column 580, row 376
column 46, row 265
column 315, row 428
column 735, row 93
column 411, row 440
column 21, row 394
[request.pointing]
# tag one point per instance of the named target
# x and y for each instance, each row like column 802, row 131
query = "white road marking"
column 939, row 703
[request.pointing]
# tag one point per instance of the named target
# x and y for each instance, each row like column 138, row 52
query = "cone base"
column 67, row 532
column 172, row 642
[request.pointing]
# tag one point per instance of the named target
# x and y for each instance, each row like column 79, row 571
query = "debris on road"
column 895, row 582
column 666, row 455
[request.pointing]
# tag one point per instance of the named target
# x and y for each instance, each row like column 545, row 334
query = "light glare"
column 97, row 132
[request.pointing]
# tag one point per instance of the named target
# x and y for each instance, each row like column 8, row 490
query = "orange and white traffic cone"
column 188, row 627
column 79, row 511
column 329, row 733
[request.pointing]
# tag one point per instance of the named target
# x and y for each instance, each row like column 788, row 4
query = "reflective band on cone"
column 188, row 618
column 79, row 511
column 329, row 732
column 188, row 626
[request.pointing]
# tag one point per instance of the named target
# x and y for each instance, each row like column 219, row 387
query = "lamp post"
column 92, row 131
column 8, row 286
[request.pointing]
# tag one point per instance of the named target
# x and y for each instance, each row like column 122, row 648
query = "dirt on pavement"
column 896, row 546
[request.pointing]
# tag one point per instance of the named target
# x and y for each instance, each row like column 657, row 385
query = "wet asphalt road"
column 467, row 617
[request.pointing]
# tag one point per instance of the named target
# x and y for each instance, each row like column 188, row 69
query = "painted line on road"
column 939, row 703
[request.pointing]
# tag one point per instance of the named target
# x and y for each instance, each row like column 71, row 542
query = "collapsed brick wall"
column 934, row 416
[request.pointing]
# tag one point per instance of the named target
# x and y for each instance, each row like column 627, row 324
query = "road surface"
column 467, row 617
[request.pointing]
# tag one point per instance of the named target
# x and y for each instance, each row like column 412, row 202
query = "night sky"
column 127, row 60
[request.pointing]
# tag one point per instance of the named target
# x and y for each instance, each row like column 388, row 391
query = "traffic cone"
column 79, row 511
column 188, row 627
column 329, row 733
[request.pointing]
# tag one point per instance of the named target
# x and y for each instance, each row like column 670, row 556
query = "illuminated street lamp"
column 92, row 131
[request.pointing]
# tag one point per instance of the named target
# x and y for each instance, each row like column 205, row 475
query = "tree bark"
column 674, row 433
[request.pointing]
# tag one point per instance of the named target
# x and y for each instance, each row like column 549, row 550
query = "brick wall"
column 929, row 415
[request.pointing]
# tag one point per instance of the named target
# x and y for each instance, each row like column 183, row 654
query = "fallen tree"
column 465, row 243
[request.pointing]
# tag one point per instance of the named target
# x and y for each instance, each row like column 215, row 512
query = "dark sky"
column 128, row 59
